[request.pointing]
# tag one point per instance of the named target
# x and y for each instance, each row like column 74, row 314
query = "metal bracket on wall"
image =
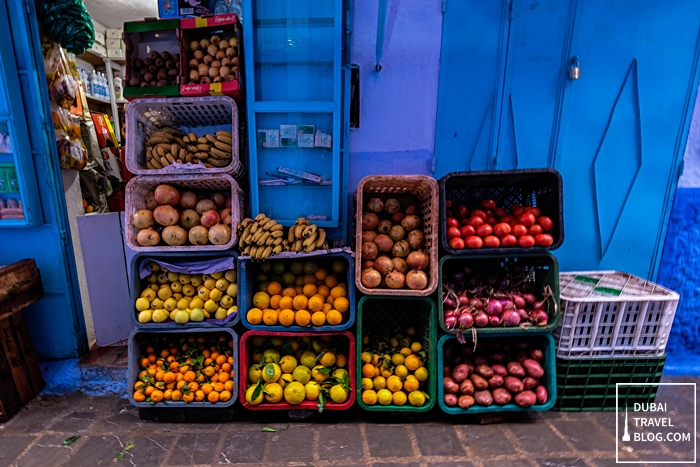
column 381, row 28
column 354, row 97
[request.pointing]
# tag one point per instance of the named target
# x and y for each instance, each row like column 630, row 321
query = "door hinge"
column 444, row 6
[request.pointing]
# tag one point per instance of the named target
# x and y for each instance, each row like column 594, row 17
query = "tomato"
column 448, row 204
column 527, row 219
column 491, row 221
column 526, row 241
column 475, row 221
column 546, row 223
column 534, row 230
column 448, row 213
column 519, row 230
column 517, row 210
column 456, row 243
column 484, row 230
column 467, row 231
column 479, row 213
column 492, row 242
column 507, row 219
column 544, row 240
column 534, row 211
column 452, row 222
column 508, row 241
column 474, row 242
column 452, row 232
column 499, row 212
column 501, row 229
column 488, row 204
column 461, row 212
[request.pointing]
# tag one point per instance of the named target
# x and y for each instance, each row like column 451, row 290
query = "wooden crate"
column 20, row 376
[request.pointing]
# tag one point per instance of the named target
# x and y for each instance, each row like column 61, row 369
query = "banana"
column 219, row 153
column 302, row 220
column 193, row 138
column 246, row 251
column 276, row 241
column 277, row 227
column 203, row 147
column 297, row 246
column 160, row 134
column 309, row 231
column 260, row 217
column 247, row 221
column 153, row 140
column 269, row 240
column 258, row 233
column 170, row 158
column 255, row 226
column 224, row 133
column 267, row 252
column 172, row 131
column 180, row 141
column 210, row 139
column 208, row 165
column 263, row 238
column 310, row 248
column 200, row 155
column 218, row 162
column 188, row 157
column 269, row 224
column 244, row 235
column 164, row 161
column 192, row 148
column 290, row 234
column 223, row 146
column 326, row 247
column 276, row 233
column 253, row 251
column 224, row 139
column 321, row 238
column 310, row 241
column 174, row 149
column 149, row 153
column 299, row 231
column 202, row 140
column 160, row 152
column 186, row 139
column 149, row 165
column 156, row 163
column 182, row 155
column 165, row 146
column 278, row 249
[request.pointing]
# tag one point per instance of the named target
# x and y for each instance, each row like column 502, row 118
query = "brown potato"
column 513, row 385
column 198, row 55
column 212, row 49
column 526, row 399
column 479, row 382
column 208, row 60
column 501, row 396
column 483, row 398
column 533, row 368
column 516, row 369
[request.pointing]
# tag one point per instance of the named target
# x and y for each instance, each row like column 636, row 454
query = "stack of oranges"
column 301, row 293
column 193, row 368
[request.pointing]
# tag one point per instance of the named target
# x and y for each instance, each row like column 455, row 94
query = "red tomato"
column 507, row 219
column 448, row 204
column 546, row 223
column 448, row 213
column 501, row 229
column 474, row 242
column 491, row 221
column 519, row 230
column 484, row 230
column 508, row 241
column 452, row 222
column 488, row 204
column 534, row 211
column 467, row 231
column 544, row 240
column 456, row 243
column 461, row 212
column 517, row 210
column 526, row 241
column 475, row 221
column 500, row 212
column 492, row 242
column 527, row 219
column 463, row 222
column 534, row 230
column 479, row 213
column 452, row 232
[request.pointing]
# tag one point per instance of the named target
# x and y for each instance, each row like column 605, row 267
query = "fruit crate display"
column 501, row 278
column 285, row 346
column 335, row 266
column 590, row 384
column 152, row 126
column 381, row 317
column 415, row 192
column 219, row 298
column 541, row 341
column 613, row 314
column 141, row 198
column 181, row 345
column 541, row 188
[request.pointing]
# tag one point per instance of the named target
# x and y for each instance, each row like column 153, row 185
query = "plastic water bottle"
column 108, row 91
column 93, row 85
column 103, row 87
column 117, row 87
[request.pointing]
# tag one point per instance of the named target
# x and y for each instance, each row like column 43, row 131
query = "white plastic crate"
column 200, row 115
column 613, row 314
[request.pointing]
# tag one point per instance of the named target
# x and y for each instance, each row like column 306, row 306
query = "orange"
column 331, row 281
column 206, row 353
column 174, row 366
column 139, row 396
column 341, row 304
column 318, row 318
column 310, row 290
column 225, row 396
column 412, row 363
column 188, row 397
column 330, row 300
column 215, row 378
column 199, row 396
column 164, row 353
column 254, row 316
column 275, row 301
column 209, row 371
column 149, row 390
column 309, row 279
column 150, row 349
column 324, row 291
column 213, row 397
column 270, row 317
column 289, row 292
column 326, row 307
column 368, row 370
column 302, row 318
column 411, row 383
column 218, row 387
column 221, row 359
column 286, row 317
column 228, row 385
column 180, row 384
column 176, row 395
column 160, row 385
column 152, row 358
column 168, row 395
column 299, row 289
column 334, row 317
column 316, row 303
column 223, row 377
column 300, row 302
column 190, row 376
column 193, row 387
column 207, row 388
column 157, row 395
column 170, row 386
column 226, row 367
column 274, row 288
column 145, row 362
column 321, row 274
column 286, row 303
column 169, row 377
column 138, row 385
column 343, row 286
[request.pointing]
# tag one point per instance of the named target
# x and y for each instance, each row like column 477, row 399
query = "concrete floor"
column 106, row 425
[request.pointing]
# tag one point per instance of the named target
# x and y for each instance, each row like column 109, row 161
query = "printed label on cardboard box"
column 288, row 136
column 269, row 138
column 322, row 140
column 306, row 136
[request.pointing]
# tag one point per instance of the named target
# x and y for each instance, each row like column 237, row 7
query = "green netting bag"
column 68, row 23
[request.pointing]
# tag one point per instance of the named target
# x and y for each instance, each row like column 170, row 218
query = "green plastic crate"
column 388, row 314
column 589, row 384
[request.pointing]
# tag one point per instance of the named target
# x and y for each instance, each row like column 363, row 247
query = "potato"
column 194, row 64
column 526, row 399
column 480, row 360
column 533, row 368
column 148, row 237
column 497, row 357
column 199, row 235
column 460, row 373
column 166, row 215
column 465, row 402
column 537, row 355
column 479, row 382
column 501, row 396
column 483, row 398
column 208, row 60
column 541, row 394
column 499, row 370
column 484, row 370
column 212, row 49
column 198, row 55
column 450, row 400
column 496, row 381
column 174, row 235
column 516, row 369
column 530, row 382
column 467, row 387
column 513, row 385
column 450, row 386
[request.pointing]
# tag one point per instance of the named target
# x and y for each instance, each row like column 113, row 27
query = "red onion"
column 524, row 316
column 506, row 304
column 539, row 317
column 481, row 319
column 476, row 304
column 539, row 305
column 510, row 318
column 529, row 298
column 465, row 320
column 463, row 299
column 495, row 321
column 449, row 303
column 450, row 320
column 494, row 308
column 519, row 301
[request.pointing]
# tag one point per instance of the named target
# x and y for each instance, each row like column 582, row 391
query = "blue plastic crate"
column 246, row 290
column 140, row 339
column 549, row 380
column 136, row 286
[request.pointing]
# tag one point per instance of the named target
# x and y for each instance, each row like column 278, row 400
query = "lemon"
column 221, row 313
column 261, row 300
column 157, row 303
column 221, row 284
column 184, row 279
column 207, row 315
column 294, row 393
column 197, row 314
column 317, row 345
column 393, row 383
column 152, row 279
column 165, row 293
column 340, row 373
column 196, row 302
column 384, row 397
column 215, row 295
column 271, row 355
column 277, row 341
column 174, row 312
column 181, row 316
column 233, row 309
column 288, row 363
column 302, row 374
column 379, row 383
column 369, row 397
column 159, row 315
column 149, row 294
column 170, row 304
column 366, row 384
column 173, row 276
column 312, row 389
column 397, row 359
column 421, row 373
column 319, row 375
column 145, row 316
column 162, row 278
column 226, row 301
column 275, row 392
column 254, row 374
column 327, row 359
column 210, row 306
column 209, row 284
column 339, row 394
column 308, row 359
column 399, row 398
column 416, row 398
column 259, row 341
column 401, row 371
column 176, row 287
column 366, row 357
column 203, row 293
column 183, row 303
column 232, row 290
column 142, row 304
column 196, row 280
column 249, row 396
column 416, row 347
column 285, row 379
column 230, row 275
column 271, row 373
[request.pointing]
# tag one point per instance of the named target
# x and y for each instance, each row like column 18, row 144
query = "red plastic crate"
column 243, row 359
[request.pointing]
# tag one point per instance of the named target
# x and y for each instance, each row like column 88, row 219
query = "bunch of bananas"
column 306, row 237
column 169, row 145
column 261, row 237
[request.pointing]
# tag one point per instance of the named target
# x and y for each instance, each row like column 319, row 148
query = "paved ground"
column 107, row 425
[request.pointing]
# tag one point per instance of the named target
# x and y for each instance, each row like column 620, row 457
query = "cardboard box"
column 115, row 53
column 99, row 49
column 115, row 43
column 114, row 34
column 167, row 9
column 104, row 131
column 100, row 37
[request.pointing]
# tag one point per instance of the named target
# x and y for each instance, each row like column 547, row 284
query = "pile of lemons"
column 297, row 370
column 184, row 297
column 393, row 369
column 299, row 293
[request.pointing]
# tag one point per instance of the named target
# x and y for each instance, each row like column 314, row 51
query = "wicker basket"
column 137, row 188
column 189, row 114
column 401, row 187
